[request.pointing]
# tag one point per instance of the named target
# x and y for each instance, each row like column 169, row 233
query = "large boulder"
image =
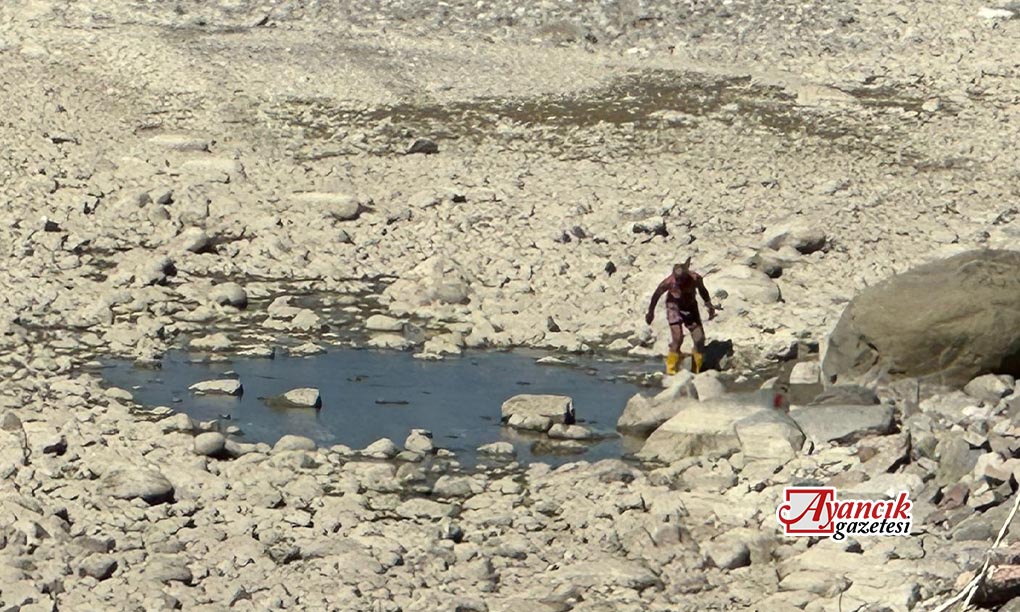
column 843, row 424
column 699, row 428
column 948, row 321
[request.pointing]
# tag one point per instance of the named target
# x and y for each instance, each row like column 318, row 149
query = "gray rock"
column 339, row 206
column 210, row 444
column 570, row 432
column 192, row 240
column 419, row 441
column 214, row 342
column 728, row 552
column 423, row 146
column 14, row 449
column 708, row 386
column 530, row 422
column 846, row 394
column 292, row 442
column 229, row 386
column 990, row 388
column 418, row 508
column 642, row 415
column 548, row 406
column 378, row 322
column 842, row 424
column 167, row 568
column 769, row 435
column 306, row 349
column 137, row 483
column 98, row 566
column 383, row 448
column 699, row 428
column 744, row 283
column 956, row 459
column 801, row 234
column 896, row 328
column 229, row 294
column 606, row 573
column 498, row 448
column 655, row 226
column 805, row 373
column 305, row 397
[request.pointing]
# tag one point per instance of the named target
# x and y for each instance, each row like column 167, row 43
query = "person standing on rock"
column 682, row 288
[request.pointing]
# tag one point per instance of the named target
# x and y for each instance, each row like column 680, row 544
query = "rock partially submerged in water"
column 549, row 406
column 500, row 449
column 230, row 386
column 305, row 397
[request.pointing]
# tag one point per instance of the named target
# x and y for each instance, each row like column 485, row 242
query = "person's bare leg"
column 676, row 339
column 698, row 337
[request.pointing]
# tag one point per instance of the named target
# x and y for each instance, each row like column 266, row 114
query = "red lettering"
column 902, row 507
column 818, row 505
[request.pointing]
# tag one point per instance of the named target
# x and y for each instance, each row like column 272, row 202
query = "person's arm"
column 706, row 297
column 655, row 300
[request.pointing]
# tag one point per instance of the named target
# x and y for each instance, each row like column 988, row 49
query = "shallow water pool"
column 368, row 395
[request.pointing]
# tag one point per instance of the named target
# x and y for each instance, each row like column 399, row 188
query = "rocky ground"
column 486, row 174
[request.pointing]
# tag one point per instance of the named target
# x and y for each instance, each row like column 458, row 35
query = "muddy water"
column 369, row 395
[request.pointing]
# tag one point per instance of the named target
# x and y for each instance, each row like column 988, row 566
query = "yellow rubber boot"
column 672, row 359
column 696, row 360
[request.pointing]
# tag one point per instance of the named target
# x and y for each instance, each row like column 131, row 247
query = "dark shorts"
column 675, row 316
